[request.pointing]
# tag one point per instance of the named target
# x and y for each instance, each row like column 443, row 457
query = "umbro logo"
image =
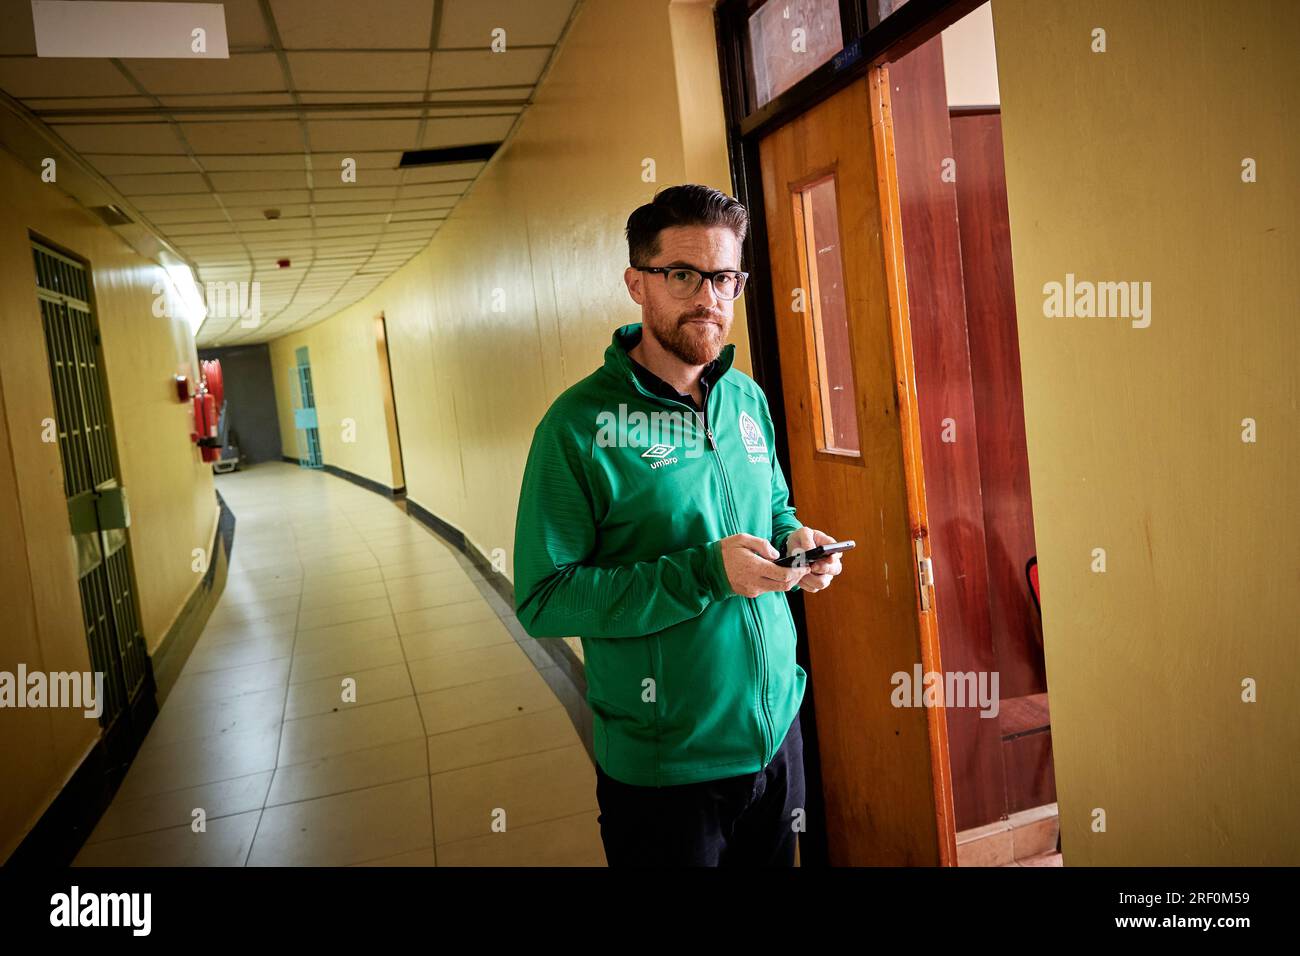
column 660, row 455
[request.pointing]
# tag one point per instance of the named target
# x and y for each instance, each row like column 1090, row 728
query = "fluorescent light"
column 128, row 30
column 187, row 291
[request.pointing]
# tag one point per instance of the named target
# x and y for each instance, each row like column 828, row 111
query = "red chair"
column 1031, row 573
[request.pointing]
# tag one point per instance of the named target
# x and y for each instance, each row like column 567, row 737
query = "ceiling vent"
column 448, row 154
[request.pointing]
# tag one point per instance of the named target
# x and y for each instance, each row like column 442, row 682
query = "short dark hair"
column 688, row 205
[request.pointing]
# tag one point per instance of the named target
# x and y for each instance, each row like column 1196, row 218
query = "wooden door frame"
column 389, row 399
column 865, row 48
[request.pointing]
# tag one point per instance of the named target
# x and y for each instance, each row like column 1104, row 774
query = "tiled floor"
column 454, row 752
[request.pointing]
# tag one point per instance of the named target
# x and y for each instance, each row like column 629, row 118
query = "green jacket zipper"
column 759, row 648
column 769, row 732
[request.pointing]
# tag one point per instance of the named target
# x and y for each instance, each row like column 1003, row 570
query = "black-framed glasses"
column 683, row 283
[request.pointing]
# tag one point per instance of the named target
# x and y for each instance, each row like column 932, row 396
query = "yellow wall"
column 544, row 224
column 170, row 490
column 1126, row 166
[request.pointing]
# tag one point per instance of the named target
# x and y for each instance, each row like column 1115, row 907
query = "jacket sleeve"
column 559, row 594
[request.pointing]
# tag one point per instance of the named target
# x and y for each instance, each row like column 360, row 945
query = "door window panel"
column 788, row 39
column 821, row 264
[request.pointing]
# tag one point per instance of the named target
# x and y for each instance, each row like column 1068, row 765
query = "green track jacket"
column 625, row 500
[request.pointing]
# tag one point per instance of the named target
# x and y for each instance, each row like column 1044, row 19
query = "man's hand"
column 819, row 573
column 750, row 570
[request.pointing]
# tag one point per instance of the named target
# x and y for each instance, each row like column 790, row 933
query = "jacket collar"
column 619, row 363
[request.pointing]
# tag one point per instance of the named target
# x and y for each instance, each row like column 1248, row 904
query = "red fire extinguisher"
column 205, row 422
column 200, row 429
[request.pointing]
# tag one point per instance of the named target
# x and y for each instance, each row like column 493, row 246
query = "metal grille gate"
column 106, row 581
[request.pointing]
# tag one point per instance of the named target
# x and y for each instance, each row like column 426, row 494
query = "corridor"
column 451, row 722
column 588, row 433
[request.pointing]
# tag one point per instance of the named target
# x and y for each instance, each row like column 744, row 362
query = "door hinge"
column 924, row 574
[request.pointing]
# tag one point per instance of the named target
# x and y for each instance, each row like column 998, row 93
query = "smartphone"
column 817, row 553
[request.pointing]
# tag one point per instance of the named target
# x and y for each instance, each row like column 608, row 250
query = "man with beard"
column 661, row 560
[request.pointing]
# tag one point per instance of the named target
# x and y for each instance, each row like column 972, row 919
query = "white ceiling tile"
column 17, row 35
column 386, row 96
column 49, row 107
column 346, row 244
column 224, row 250
column 351, row 208
column 421, row 190
column 464, row 132
column 171, row 201
column 370, row 232
column 457, row 69
column 268, row 180
column 443, row 172
column 408, row 229
column 130, row 138
column 114, row 165
column 22, row 77
column 424, row 202
column 245, row 25
column 241, row 73
column 243, row 137
column 157, row 184
column 168, row 217
column 365, row 177
column 438, row 112
column 414, row 113
column 211, row 229
column 265, row 199
column 423, row 215
column 232, row 100
column 260, row 227
column 516, row 93
column 292, row 215
column 331, row 135
column 293, row 160
column 354, row 193
column 469, row 23
column 351, row 25
column 345, row 224
column 354, row 72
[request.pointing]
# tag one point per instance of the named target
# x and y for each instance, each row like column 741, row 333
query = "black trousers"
column 749, row 820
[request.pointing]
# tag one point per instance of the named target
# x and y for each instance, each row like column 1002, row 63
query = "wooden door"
column 831, row 204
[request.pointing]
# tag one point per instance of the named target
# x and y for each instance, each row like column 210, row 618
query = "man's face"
column 693, row 329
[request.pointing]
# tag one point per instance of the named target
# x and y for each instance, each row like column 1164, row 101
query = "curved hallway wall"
column 517, row 296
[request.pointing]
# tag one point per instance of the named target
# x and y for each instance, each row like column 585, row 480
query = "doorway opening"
column 884, row 330
column 966, row 357
column 304, row 411
column 389, row 399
